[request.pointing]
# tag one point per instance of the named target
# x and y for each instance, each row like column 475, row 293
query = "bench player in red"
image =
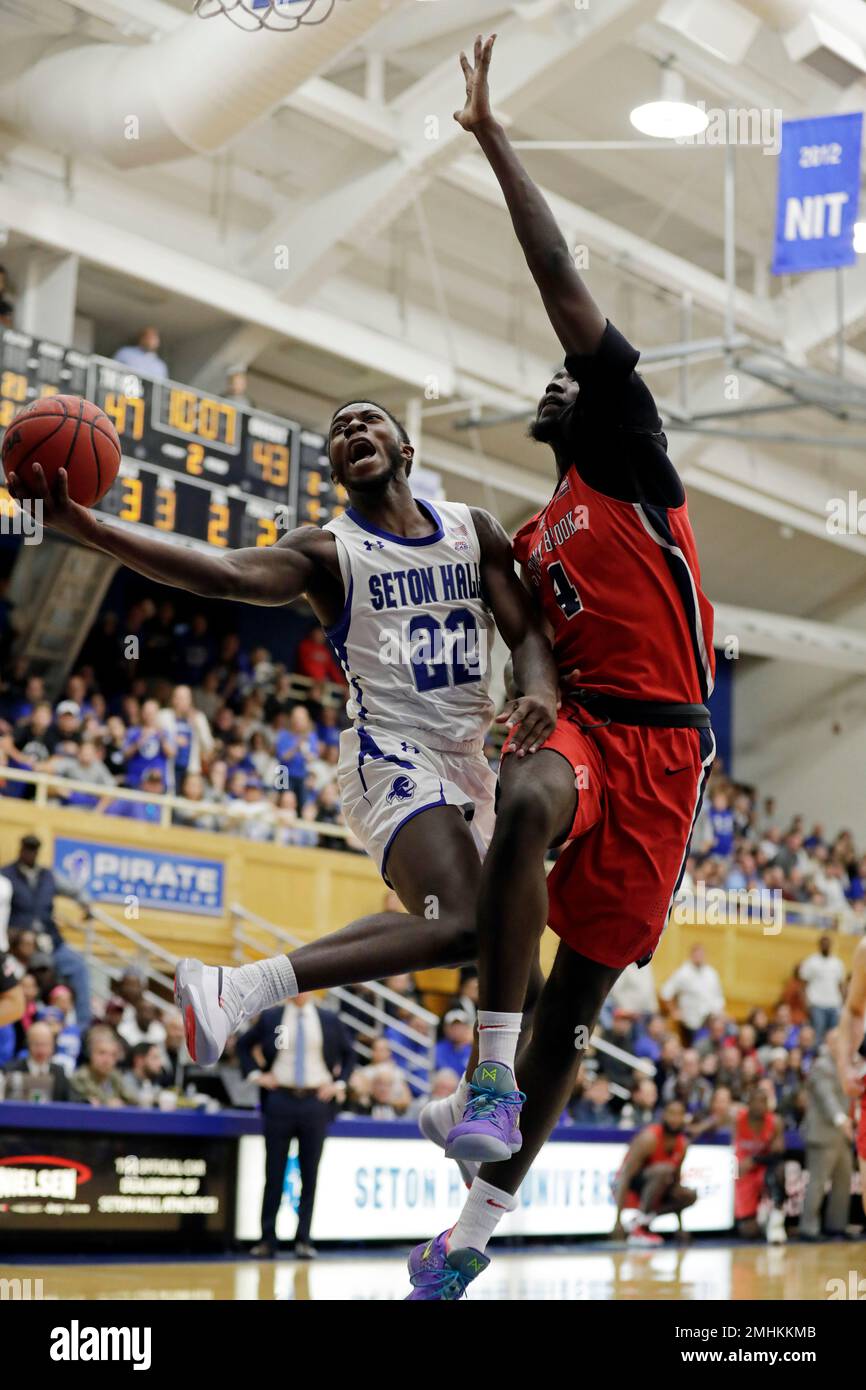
column 612, row 562
column 850, row 1051
column 650, row 1177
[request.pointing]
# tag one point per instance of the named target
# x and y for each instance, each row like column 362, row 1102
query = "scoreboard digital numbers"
column 195, row 466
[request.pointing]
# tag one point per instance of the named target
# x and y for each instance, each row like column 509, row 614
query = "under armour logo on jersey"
column 409, row 748
column 374, row 545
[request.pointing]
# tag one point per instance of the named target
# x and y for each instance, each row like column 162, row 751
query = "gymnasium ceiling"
column 422, row 277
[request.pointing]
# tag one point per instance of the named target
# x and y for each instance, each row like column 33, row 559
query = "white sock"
column 251, row 988
column 484, row 1208
column 497, row 1037
column 458, row 1099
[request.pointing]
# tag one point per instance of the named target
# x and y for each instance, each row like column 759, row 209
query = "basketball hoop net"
column 284, row 16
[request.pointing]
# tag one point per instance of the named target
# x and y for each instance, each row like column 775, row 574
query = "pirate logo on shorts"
column 402, row 789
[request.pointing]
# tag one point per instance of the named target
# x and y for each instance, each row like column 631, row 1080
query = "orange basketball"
column 64, row 432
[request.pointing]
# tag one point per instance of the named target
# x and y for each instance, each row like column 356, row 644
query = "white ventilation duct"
column 191, row 92
column 847, row 16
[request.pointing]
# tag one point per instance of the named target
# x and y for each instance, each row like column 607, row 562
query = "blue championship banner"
column 819, row 191
column 116, row 873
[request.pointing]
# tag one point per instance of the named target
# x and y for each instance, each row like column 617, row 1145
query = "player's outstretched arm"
column 576, row 318
column 536, row 681
column 852, row 1023
column 269, row 576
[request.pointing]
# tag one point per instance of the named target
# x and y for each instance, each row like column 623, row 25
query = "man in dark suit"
column 829, row 1136
column 301, row 1057
column 45, row 1075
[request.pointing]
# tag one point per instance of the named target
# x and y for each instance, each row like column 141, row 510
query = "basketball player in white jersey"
column 408, row 594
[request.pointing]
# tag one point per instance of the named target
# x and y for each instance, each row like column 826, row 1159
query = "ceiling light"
column 672, row 117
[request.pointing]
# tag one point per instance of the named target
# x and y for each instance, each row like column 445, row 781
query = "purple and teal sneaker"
column 439, row 1274
column 489, row 1130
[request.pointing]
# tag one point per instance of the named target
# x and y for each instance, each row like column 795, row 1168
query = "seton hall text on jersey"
column 425, row 584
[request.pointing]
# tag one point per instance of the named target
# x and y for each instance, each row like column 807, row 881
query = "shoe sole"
column 468, row 1172
column 188, row 995
column 482, row 1148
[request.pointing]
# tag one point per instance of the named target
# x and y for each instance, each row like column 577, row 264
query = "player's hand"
column 58, row 510
column 477, row 108
column 266, row 1081
column 534, row 718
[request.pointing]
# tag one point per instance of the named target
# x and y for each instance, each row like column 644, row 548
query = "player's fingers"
column 506, row 716
column 12, row 485
column 478, row 49
column 39, row 487
column 488, row 50
column 465, row 65
column 61, row 487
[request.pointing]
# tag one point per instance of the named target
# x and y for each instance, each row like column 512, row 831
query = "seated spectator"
column 640, row 1108
column 455, row 1045
column 651, row 1037
column 40, row 1065
column 443, row 1083
column 188, row 733
column 85, row 765
column 152, row 781
column 143, row 1026
column 236, row 388
column 315, row 659
column 594, row 1108
column 99, row 1082
column 143, row 356
column 175, row 1057
column 145, row 1072
column 379, row 1090
column 688, row 1085
column 61, row 1019
column 721, row 1116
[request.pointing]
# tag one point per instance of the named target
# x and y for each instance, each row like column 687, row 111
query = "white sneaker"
column 208, row 1021
column 776, row 1233
column 436, row 1121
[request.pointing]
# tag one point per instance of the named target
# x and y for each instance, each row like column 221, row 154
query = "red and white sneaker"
column 643, row 1236
column 208, row 1019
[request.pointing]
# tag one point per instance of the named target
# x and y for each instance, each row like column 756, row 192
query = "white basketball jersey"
column 415, row 635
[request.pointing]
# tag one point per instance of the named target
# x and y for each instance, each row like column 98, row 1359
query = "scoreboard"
column 195, row 467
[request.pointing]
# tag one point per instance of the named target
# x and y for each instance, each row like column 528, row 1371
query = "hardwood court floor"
column 698, row 1271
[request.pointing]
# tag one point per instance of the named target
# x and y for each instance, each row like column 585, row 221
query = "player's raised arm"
column 535, row 677
column 576, row 318
column 262, row 575
column 852, row 1023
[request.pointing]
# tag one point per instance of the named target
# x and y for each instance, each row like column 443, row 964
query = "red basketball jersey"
column 661, row 1154
column 619, row 584
column 748, row 1144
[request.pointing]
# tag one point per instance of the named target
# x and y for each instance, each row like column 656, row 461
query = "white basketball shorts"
column 385, row 779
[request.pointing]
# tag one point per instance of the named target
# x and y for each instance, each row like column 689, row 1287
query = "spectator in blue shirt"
column 152, row 781
column 147, row 746
column 453, row 1049
column 722, row 821
column 295, row 747
column 143, row 356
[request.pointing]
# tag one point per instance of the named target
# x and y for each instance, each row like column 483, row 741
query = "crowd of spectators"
column 160, row 703
column 741, row 846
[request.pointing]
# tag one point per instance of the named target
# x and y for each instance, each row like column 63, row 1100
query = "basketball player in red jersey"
column 849, row 1052
column 649, row 1178
column 759, row 1147
column 613, row 565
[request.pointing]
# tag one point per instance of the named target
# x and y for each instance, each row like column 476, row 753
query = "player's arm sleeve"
column 617, row 416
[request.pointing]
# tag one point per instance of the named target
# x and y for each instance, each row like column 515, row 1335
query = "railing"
column 166, row 802
column 100, row 930
column 419, row 1063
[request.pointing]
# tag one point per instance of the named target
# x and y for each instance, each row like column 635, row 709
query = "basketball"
column 64, row 432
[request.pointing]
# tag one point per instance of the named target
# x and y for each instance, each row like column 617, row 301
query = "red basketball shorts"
column 639, row 793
